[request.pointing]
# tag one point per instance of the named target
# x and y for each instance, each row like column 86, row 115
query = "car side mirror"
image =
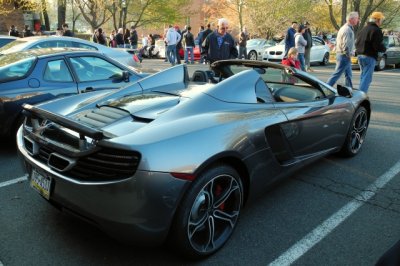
column 344, row 91
column 125, row 76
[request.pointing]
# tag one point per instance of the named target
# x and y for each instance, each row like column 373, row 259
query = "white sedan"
column 319, row 52
column 123, row 56
column 256, row 47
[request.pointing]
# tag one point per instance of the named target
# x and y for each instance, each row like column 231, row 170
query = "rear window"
column 15, row 66
column 16, row 43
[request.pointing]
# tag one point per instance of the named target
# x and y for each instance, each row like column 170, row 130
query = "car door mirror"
column 125, row 76
column 344, row 91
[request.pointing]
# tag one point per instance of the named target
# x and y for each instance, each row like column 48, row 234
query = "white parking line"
column 13, row 181
column 320, row 232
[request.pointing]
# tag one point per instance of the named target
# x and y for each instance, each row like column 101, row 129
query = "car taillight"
column 136, row 58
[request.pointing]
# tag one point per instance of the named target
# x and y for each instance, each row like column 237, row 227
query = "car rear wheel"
column 209, row 212
column 252, row 55
column 325, row 60
column 356, row 135
column 381, row 64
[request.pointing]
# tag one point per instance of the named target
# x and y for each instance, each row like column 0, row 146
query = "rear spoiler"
column 35, row 112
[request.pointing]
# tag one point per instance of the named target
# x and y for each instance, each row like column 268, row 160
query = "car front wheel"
column 209, row 212
column 357, row 132
column 325, row 60
column 252, row 55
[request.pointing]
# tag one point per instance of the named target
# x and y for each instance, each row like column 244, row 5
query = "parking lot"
column 334, row 212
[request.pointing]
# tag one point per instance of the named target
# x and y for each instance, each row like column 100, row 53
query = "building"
column 9, row 15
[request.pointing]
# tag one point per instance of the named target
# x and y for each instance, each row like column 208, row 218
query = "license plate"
column 41, row 184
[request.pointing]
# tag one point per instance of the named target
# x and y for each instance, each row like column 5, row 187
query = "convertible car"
column 175, row 158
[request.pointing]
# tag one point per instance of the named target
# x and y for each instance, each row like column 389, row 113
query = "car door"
column 52, row 78
column 315, row 125
column 95, row 72
column 393, row 50
column 318, row 51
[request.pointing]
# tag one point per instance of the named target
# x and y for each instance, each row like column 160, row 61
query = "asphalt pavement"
column 334, row 212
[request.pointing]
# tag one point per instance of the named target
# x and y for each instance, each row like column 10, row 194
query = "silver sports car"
column 175, row 158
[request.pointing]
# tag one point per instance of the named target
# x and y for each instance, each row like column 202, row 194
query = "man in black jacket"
column 308, row 37
column 369, row 44
column 133, row 39
column 220, row 45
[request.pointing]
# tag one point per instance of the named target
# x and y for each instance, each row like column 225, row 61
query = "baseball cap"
column 377, row 15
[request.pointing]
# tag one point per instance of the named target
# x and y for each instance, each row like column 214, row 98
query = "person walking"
column 206, row 32
column 199, row 37
column 368, row 46
column 289, row 37
column 344, row 50
column 220, row 45
column 172, row 39
column 188, row 39
column 300, row 44
column 133, row 38
column 307, row 53
column 243, row 37
column 178, row 45
column 119, row 38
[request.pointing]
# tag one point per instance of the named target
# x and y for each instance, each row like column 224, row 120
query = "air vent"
column 100, row 117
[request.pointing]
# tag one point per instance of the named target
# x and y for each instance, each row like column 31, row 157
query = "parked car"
column 39, row 75
column 390, row 57
column 196, row 52
column 119, row 54
column 319, row 52
column 173, row 158
column 256, row 47
column 6, row 39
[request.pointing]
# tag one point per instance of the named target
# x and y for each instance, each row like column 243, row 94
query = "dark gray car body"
column 173, row 130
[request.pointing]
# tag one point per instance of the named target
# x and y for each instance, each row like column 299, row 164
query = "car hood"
column 279, row 47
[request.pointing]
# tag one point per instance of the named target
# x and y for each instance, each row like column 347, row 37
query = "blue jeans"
column 242, row 52
column 367, row 66
column 302, row 62
column 343, row 64
column 187, row 51
column 171, row 52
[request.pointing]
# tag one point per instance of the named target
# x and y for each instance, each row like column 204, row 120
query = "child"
column 291, row 59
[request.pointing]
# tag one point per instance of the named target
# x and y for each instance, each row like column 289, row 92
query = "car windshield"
column 14, row 66
column 385, row 41
column 254, row 42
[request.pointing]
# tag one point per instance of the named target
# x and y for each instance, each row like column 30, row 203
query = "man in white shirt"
column 172, row 39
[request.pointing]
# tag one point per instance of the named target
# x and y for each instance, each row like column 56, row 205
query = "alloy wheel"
column 358, row 131
column 214, row 213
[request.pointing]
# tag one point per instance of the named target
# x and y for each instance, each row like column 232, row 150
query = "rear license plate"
column 41, row 184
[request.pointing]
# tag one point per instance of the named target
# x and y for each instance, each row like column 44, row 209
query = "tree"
column 45, row 15
column 390, row 8
column 61, row 12
column 145, row 12
column 95, row 12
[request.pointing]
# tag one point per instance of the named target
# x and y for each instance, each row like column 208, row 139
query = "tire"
column 252, row 55
column 325, row 60
column 357, row 132
column 381, row 64
column 208, row 213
